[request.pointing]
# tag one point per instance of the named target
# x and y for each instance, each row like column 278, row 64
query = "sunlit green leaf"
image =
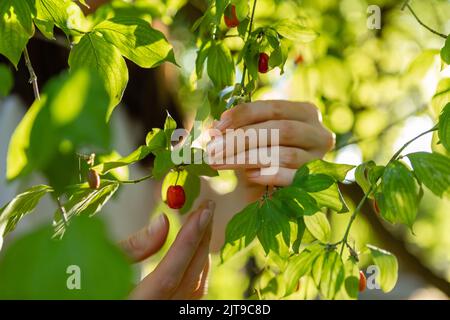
column 299, row 266
column 63, row 120
column 95, row 53
column 220, row 65
column 328, row 273
column 335, row 170
column 16, row 27
column 21, row 205
column 388, row 267
column 293, row 30
column 137, row 41
column 445, row 52
column 433, row 170
column 319, row 226
column 84, row 200
column 398, row 201
column 444, row 127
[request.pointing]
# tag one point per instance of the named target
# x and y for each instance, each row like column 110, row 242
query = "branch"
column 361, row 202
column 33, row 77
column 406, row 5
column 135, row 181
column 394, row 244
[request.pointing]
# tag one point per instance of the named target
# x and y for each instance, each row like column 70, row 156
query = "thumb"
column 146, row 241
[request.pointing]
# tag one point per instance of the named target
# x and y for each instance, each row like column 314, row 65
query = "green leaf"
column 156, row 140
column 190, row 183
column 274, row 224
column 329, row 273
column 21, row 205
column 444, row 127
column 66, row 122
column 299, row 266
column 350, row 289
column 362, row 175
column 220, row 9
column 313, row 182
column 39, row 267
column 202, row 54
column 399, row 199
column 441, row 97
column 163, row 163
column 319, row 226
column 220, row 65
column 242, row 8
column 445, row 52
column 202, row 169
column 6, row 80
column 86, row 201
column 294, row 31
column 433, row 170
column 137, row 41
column 16, row 27
column 388, row 267
column 297, row 200
column 244, row 226
column 331, row 198
column 65, row 14
column 95, row 53
column 140, row 153
column 337, row 171
column 169, row 127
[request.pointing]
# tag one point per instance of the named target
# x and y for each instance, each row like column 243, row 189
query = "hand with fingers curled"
column 253, row 137
column 183, row 272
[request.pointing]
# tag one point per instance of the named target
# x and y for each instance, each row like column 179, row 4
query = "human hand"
column 183, row 272
column 302, row 138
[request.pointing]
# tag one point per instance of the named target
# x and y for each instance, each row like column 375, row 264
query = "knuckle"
column 276, row 110
column 290, row 157
column 312, row 111
column 287, row 130
column 168, row 285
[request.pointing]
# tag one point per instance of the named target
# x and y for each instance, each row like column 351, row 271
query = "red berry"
column 263, row 62
column 93, row 179
column 299, row 59
column 230, row 17
column 362, row 281
column 176, row 197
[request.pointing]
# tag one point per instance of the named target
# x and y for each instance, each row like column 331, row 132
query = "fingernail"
column 223, row 124
column 157, row 224
column 205, row 218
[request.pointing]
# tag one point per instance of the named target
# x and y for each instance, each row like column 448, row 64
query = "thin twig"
column 406, row 5
column 135, row 181
column 33, row 77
